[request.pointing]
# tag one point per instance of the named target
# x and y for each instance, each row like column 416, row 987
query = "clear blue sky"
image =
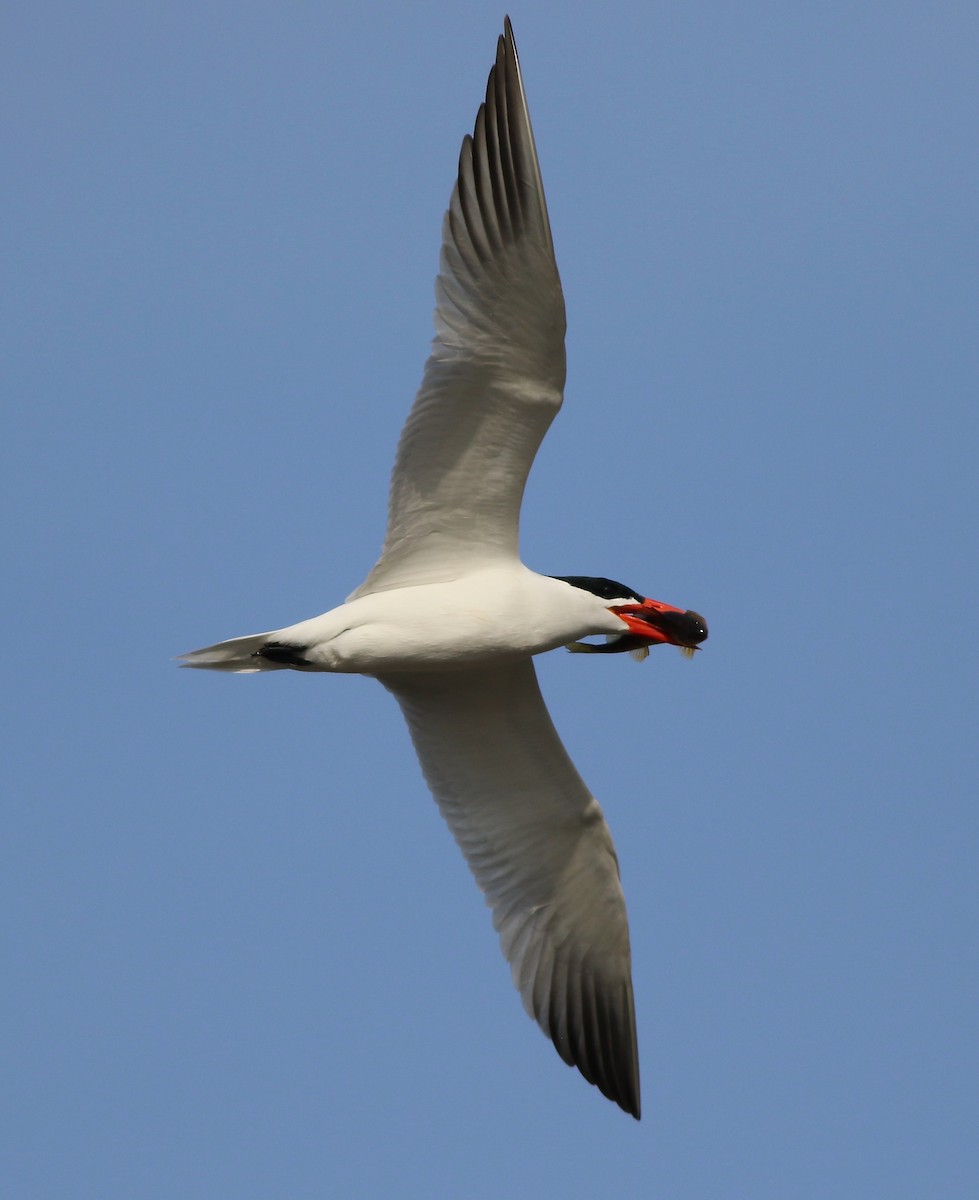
column 242, row 957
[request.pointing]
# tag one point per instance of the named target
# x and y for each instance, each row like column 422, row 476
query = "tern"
column 449, row 619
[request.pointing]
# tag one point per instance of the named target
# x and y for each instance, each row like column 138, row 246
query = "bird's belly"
column 465, row 639
column 441, row 626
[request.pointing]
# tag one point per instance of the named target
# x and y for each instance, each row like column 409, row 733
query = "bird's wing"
column 538, row 845
column 493, row 382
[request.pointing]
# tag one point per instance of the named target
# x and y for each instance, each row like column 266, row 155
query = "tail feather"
column 242, row 655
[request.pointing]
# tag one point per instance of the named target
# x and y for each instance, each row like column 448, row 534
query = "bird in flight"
column 449, row 619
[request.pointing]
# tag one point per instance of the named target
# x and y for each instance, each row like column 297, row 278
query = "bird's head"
column 647, row 622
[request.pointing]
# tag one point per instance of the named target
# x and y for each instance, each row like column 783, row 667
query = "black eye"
column 697, row 626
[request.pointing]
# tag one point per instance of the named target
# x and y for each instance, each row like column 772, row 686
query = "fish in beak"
column 650, row 623
column 657, row 622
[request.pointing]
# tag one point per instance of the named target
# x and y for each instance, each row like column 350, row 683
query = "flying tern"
column 449, row 618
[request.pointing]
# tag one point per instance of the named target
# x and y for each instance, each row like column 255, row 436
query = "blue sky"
column 242, row 956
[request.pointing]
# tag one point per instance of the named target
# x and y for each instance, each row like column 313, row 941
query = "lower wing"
column 536, row 841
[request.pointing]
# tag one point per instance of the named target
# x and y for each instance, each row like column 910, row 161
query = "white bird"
column 449, row 618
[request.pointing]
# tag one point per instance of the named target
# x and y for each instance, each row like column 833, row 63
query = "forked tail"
column 244, row 655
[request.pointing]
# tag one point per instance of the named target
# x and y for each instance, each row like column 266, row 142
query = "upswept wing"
column 493, row 382
column 538, row 845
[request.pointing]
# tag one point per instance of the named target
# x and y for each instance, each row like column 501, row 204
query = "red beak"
column 655, row 621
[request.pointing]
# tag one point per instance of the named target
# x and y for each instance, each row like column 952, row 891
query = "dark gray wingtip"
column 604, row 1045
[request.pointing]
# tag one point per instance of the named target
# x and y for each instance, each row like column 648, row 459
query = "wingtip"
column 509, row 42
column 624, row 1091
column 629, row 1103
